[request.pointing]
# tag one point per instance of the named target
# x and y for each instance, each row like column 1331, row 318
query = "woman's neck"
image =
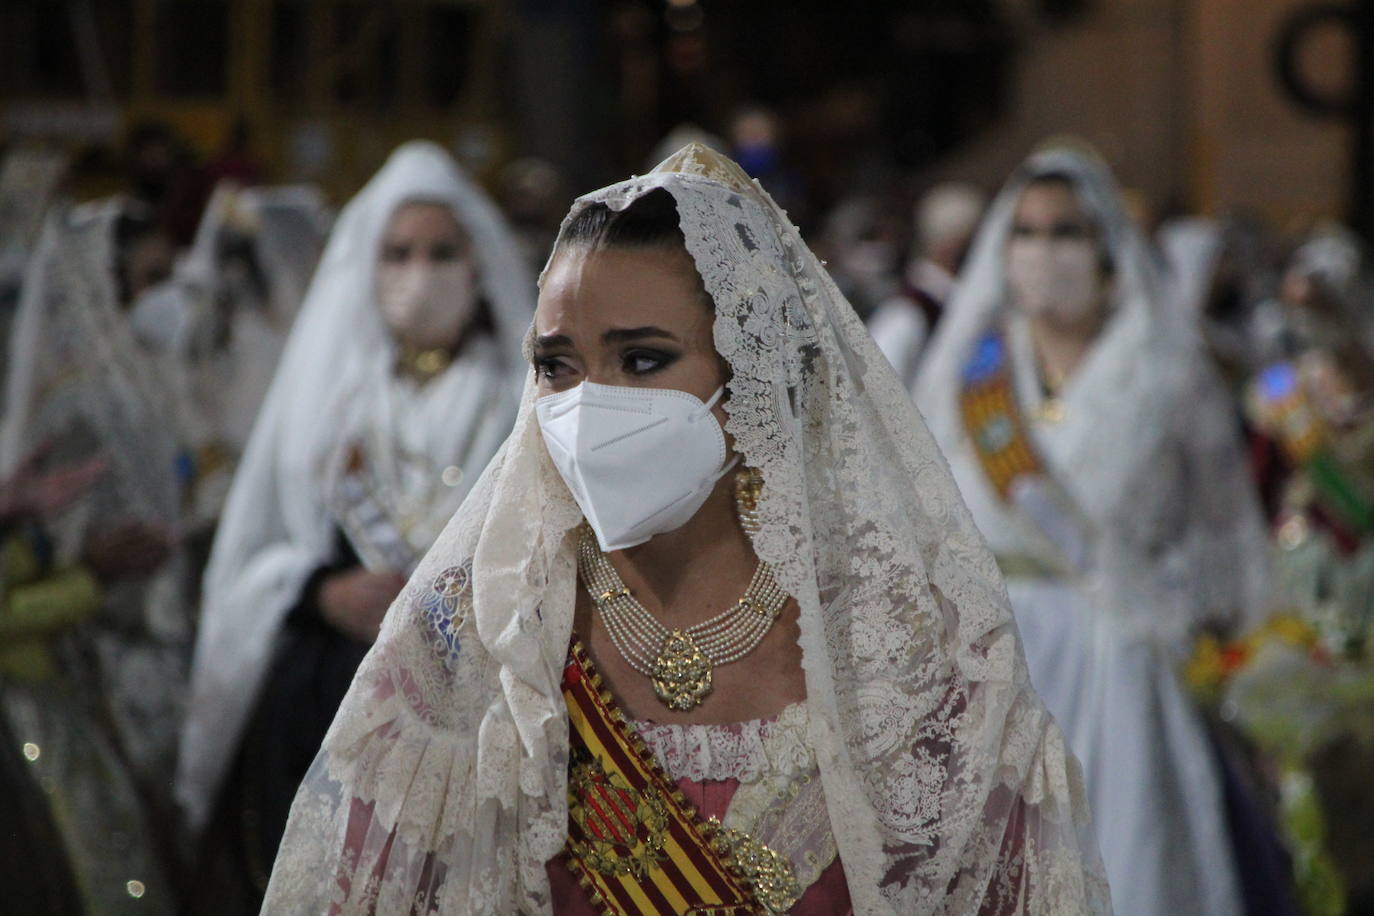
column 692, row 573
column 421, row 364
column 1061, row 347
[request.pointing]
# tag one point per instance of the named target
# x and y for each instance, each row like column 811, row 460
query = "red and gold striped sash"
column 633, row 841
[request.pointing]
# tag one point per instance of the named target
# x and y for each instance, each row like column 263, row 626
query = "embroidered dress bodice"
column 779, row 800
column 747, row 752
column 760, row 777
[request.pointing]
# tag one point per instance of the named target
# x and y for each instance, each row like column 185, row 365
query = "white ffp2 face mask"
column 1056, row 278
column 639, row 461
column 427, row 305
column 161, row 318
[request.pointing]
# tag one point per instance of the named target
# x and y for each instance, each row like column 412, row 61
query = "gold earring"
column 748, row 488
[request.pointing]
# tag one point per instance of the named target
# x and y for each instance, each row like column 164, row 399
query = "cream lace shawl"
column 441, row 786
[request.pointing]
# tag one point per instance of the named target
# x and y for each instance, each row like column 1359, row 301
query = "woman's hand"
column 128, row 551
column 355, row 601
column 34, row 493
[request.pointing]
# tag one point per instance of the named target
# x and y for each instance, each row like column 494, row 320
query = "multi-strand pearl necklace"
column 678, row 661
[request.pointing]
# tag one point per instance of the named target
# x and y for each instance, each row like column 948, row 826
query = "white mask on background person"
column 427, row 305
column 1055, row 278
column 161, row 318
column 639, row 461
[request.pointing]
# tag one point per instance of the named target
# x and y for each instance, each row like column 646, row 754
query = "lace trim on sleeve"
column 780, row 801
column 744, row 751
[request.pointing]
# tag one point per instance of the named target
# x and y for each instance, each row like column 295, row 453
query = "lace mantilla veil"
column 441, row 786
column 75, row 372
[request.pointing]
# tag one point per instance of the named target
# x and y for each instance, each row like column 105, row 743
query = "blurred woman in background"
column 399, row 381
column 98, row 621
column 1100, row 456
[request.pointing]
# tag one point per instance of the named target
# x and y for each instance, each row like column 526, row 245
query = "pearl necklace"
column 679, row 662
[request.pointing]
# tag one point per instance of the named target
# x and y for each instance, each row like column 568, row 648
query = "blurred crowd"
column 237, row 413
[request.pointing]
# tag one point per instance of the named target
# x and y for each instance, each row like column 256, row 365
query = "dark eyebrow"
column 623, row 334
column 553, row 340
column 615, row 335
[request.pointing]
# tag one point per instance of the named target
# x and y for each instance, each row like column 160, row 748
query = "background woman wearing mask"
column 399, row 382
column 1100, row 457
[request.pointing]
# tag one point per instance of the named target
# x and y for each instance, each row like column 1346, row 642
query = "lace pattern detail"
column 946, row 786
column 449, row 599
column 744, row 751
column 780, row 801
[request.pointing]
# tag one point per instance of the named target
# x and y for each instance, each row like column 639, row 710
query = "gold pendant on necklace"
column 682, row 672
column 1051, row 410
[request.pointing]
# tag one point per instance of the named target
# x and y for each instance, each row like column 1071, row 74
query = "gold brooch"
column 682, row 673
column 768, row 874
column 621, row 829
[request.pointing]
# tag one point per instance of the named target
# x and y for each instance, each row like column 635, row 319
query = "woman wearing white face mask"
column 712, row 633
column 1101, row 458
column 399, row 381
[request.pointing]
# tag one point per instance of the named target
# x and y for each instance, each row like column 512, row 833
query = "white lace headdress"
column 442, row 783
column 224, row 323
column 287, row 226
column 29, row 178
column 336, row 380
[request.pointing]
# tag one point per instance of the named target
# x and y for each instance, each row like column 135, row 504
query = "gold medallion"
column 1051, row 411
column 682, row 672
column 771, row 877
column 620, row 830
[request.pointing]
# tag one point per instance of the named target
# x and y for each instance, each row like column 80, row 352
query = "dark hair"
column 1053, row 176
column 134, row 224
column 650, row 221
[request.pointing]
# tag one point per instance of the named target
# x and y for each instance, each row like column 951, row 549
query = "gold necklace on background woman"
column 1052, row 381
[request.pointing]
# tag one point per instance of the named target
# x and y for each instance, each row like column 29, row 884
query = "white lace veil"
column 287, row 226
column 78, row 383
column 29, row 179
column 76, row 379
column 336, row 378
column 442, row 783
column 1146, row 379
